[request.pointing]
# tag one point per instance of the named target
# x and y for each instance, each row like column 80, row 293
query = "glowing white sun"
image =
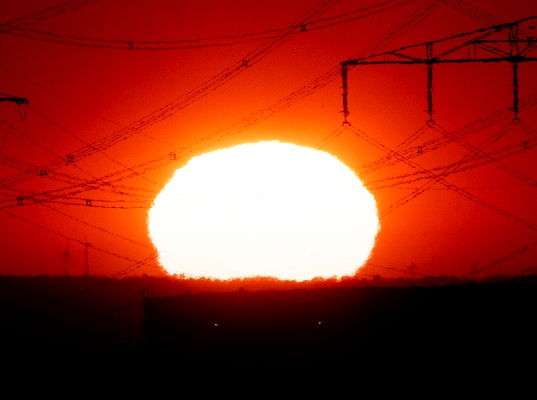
column 264, row 209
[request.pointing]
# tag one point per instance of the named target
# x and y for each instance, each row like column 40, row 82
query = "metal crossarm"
column 500, row 43
column 17, row 100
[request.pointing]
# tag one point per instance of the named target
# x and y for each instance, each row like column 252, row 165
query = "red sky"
column 85, row 85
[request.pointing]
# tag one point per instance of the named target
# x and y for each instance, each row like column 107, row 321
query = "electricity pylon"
column 500, row 43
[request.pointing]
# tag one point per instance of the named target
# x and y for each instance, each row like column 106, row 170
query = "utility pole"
column 495, row 44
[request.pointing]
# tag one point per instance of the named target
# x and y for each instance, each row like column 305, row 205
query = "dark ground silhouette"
column 461, row 322
column 342, row 323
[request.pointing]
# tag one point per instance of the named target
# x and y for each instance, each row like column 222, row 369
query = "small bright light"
column 264, row 209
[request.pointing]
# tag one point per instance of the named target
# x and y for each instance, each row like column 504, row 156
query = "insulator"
column 344, row 73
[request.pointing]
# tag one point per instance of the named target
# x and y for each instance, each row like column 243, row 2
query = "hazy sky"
column 114, row 87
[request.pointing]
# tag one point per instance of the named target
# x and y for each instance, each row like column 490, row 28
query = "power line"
column 437, row 178
column 183, row 101
column 420, row 13
column 47, row 13
column 298, row 27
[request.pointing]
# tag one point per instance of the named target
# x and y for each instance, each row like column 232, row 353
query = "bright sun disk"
column 264, row 209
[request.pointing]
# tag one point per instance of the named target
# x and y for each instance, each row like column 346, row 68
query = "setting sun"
column 264, row 209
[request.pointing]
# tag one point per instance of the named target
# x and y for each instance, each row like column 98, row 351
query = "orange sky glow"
column 124, row 95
